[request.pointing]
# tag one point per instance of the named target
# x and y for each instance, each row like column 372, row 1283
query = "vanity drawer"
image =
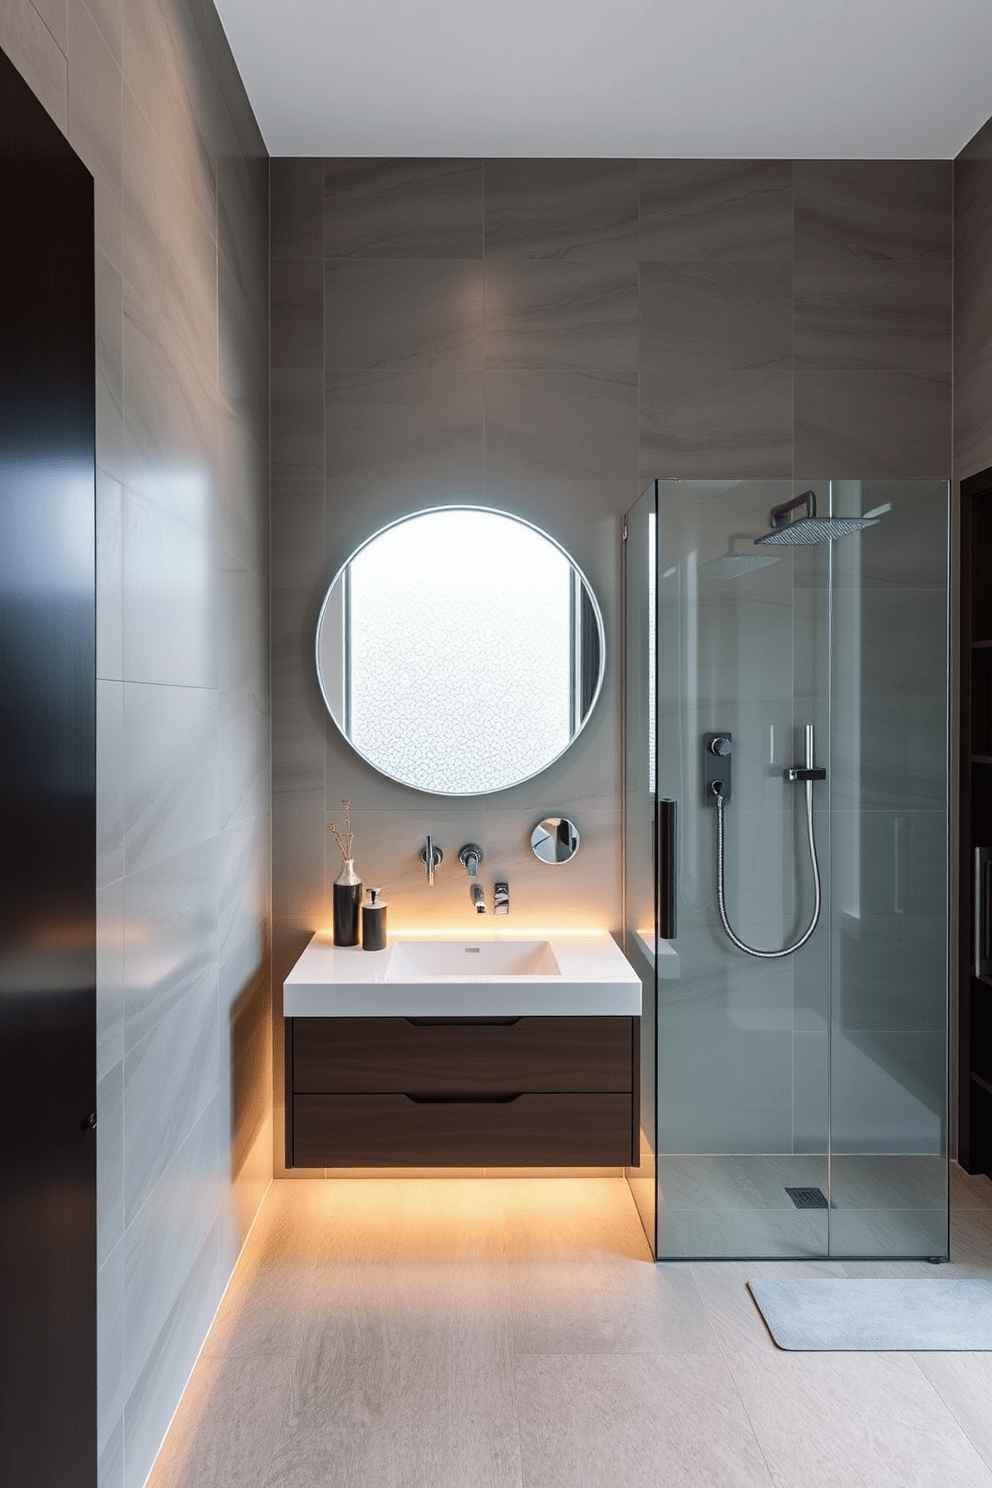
column 531, row 1130
column 436, row 1057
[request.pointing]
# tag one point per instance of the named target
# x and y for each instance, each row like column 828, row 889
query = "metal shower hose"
column 740, row 944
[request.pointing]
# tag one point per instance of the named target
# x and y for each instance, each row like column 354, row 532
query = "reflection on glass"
column 460, row 651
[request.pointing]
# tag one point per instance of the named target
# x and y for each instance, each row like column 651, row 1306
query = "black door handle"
column 666, row 868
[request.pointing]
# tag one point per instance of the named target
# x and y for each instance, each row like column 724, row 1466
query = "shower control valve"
column 717, row 749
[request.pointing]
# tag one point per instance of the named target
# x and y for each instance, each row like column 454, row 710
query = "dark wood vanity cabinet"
column 471, row 1092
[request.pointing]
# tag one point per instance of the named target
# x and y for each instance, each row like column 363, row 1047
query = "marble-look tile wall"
column 148, row 95
column 545, row 336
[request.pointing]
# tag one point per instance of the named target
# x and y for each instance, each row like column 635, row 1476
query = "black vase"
column 347, row 904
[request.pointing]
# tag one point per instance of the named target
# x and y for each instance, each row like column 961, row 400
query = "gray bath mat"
column 955, row 1316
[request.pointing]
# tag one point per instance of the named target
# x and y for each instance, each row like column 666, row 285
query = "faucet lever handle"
column 432, row 856
column 470, row 857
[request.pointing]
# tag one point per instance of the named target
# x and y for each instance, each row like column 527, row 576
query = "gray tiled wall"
column 150, row 99
column 545, row 336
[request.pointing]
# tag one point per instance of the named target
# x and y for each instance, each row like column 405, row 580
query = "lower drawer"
column 357, row 1131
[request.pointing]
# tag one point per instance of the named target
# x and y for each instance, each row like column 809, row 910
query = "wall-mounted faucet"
column 470, row 857
column 478, row 896
column 433, row 857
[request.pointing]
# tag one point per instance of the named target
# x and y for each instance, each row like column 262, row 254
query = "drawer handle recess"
column 464, row 1100
column 462, row 1022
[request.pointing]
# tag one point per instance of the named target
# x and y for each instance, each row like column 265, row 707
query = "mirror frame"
column 462, row 506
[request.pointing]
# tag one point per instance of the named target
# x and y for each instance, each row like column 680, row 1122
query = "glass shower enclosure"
column 785, row 827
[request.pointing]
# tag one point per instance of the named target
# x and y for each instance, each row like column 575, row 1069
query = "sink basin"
column 437, row 960
column 452, row 976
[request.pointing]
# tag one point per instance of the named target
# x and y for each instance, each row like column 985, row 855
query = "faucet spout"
column 478, row 894
column 433, row 857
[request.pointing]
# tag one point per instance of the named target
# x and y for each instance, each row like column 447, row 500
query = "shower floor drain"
column 807, row 1198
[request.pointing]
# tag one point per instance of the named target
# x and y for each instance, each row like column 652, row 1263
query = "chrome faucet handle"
column 433, row 857
column 478, row 894
column 501, row 898
column 470, row 857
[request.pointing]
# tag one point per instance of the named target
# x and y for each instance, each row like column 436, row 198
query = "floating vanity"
column 449, row 1051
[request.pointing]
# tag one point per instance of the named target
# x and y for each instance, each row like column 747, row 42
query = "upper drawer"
column 432, row 1058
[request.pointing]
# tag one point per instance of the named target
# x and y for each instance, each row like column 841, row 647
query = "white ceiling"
column 616, row 78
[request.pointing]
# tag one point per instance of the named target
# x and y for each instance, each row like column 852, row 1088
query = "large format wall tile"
column 895, row 209
column 873, row 314
column 541, row 314
column 564, row 209
column 713, row 422
column 403, row 208
column 394, row 314
column 876, row 424
column 694, row 210
column 297, row 209
column 421, row 423
column 716, row 316
column 549, row 423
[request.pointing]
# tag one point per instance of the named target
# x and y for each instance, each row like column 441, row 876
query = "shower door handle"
column 666, row 837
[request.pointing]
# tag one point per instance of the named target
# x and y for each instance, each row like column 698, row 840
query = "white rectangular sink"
column 454, row 976
column 433, row 960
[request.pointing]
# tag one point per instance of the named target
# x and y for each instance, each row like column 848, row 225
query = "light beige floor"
column 513, row 1333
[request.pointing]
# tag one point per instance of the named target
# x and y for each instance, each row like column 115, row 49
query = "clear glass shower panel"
column 742, row 1055
column 791, row 699
column 888, row 921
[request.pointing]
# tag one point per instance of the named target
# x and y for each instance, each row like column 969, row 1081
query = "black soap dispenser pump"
column 374, row 923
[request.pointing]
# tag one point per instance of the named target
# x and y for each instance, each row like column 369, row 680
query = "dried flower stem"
column 346, row 838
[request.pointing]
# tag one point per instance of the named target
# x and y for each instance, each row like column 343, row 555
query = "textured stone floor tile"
column 854, row 1421
column 225, row 1430
column 406, row 1378
column 964, row 1383
column 640, row 1421
column 736, row 1321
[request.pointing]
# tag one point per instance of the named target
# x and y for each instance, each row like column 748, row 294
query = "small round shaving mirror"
column 555, row 839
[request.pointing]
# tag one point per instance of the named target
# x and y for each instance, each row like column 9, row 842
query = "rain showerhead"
column 810, row 529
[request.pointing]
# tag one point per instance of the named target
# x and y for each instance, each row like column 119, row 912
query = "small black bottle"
column 374, row 923
column 347, row 901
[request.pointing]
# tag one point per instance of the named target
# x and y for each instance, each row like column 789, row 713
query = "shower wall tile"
column 395, row 314
column 110, row 769
column 297, row 423
column 546, row 423
column 170, row 771
column 95, row 123
column 716, row 317
column 694, row 210
column 716, row 423
column 170, row 936
column 296, row 200
column 550, row 314
column 876, row 424
column 298, row 542
column 403, row 208
column 109, row 365
column 562, row 209
column 167, row 564
column 866, row 314
column 973, row 306
column 297, row 289
column 419, row 422
column 37, row 56
column 876, row 209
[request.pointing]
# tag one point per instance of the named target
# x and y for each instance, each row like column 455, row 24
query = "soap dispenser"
column 374, row 922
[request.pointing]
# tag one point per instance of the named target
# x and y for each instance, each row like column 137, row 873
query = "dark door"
column 47, row 803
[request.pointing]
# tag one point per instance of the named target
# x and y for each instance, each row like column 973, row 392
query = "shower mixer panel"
column 717, row 752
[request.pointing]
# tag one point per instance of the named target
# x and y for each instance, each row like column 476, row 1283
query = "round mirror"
column 555, row 839
column 460, row 651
